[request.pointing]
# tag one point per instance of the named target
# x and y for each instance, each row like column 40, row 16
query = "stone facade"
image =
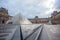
column 39, row 20
column 55, row 19
column 4, row 16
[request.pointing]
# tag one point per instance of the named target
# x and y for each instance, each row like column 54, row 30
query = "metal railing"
column 26, row 38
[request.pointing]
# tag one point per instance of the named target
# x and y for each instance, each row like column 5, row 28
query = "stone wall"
column 4, row 16
column 39, row 20
column 56, row 19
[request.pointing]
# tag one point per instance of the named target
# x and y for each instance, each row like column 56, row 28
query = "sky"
column 31, row 8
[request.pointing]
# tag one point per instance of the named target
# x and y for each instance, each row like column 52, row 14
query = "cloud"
column 57, row 5
column 29, row 8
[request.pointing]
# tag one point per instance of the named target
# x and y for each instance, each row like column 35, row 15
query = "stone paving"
column 49, row 32
column 52, row 32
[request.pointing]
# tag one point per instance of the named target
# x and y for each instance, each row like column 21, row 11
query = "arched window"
column 3, row 21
